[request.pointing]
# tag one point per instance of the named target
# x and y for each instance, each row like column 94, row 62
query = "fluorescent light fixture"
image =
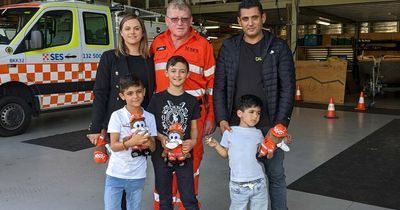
column 235, row 26
column 212, row 37
column 324, row 19
column 322, row 22
column 211, row 27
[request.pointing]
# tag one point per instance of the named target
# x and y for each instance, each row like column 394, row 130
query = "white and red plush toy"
column 274, row 139
column 100, row 155
column 139, row 125
column 173, row 153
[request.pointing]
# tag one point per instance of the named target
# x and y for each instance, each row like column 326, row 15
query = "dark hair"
column 249, row 101
column 172, row 61
column 128, row 81
column 247, row 4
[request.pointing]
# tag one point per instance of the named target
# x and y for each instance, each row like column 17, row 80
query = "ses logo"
column 52, row 56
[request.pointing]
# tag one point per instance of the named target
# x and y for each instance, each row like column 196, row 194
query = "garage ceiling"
column 371, row 11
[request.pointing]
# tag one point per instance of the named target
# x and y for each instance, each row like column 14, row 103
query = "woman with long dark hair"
column 130, row 57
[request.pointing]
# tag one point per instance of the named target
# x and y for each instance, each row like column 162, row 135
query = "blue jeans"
column 242, row 193
column 276, row 178
column 113, row 193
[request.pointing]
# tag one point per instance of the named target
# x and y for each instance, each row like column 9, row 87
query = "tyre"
column 15, row 116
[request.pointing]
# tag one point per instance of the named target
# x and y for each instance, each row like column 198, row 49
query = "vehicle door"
column 95, row 30
column 53, row 54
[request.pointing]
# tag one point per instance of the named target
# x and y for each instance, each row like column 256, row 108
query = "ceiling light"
column 322, row 22
column 212, row 37
column 235, row 26
column 211, row 27
column 324, row 19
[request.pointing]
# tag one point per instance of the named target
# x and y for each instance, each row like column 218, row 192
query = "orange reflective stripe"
column 49, row 101
column 53, row 67
column 52, row 73
column 21, row 68
column 20, row 5
column 3, row 68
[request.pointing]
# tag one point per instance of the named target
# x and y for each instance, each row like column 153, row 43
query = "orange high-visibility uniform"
column 200, row 56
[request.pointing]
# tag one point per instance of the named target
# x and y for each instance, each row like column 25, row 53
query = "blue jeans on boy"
column 254, row 192
column 276, row 178
column 113, row 193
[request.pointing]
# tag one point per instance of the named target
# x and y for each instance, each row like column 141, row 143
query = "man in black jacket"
column 256, row 62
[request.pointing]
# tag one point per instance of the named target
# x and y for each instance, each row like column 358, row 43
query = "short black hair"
column 172, row 61
column 128, row 81
column 249, row 101
column 247, row 4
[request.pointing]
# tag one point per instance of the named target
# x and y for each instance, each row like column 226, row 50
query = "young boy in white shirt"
column 126, row 172
column 247, row 181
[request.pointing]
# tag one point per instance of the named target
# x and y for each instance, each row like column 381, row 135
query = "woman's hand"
column 93, row 137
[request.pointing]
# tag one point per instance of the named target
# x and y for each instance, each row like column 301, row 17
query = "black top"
column 169, row 109
column 278, row 76
column 136, row 65
column 106, row 87
column 249, row 79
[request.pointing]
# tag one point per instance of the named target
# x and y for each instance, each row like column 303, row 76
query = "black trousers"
column 185, row 181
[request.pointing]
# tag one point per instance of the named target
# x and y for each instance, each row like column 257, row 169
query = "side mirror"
column 36, row 41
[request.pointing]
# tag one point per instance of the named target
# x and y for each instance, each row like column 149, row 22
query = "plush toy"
column 275, row 138
column 100, row 156
column 173, row 153
column 138, row 124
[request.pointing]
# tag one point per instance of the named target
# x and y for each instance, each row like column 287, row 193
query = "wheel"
column 15, row 116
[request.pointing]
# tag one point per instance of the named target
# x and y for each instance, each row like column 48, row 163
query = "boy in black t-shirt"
column 170, row 107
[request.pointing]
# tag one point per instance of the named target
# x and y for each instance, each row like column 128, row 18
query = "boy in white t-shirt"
column 126, row 172
column 247, row 181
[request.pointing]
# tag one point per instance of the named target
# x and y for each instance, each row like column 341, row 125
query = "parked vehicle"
column 49, row 52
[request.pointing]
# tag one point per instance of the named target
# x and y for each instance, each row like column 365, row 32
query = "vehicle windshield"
column 12, row 20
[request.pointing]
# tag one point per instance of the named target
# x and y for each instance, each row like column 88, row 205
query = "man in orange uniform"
column 181, row 39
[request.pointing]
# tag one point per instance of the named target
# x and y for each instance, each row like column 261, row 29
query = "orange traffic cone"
column 298, row 94
column 361, row 104
column 331, row 110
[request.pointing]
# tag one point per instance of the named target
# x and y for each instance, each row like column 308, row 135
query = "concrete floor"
column 36, row 177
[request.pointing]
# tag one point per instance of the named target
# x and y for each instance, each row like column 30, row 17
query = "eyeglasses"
column 177, row 19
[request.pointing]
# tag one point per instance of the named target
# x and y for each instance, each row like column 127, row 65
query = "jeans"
column 113, row 193
column 276, row 178
column 242, row 193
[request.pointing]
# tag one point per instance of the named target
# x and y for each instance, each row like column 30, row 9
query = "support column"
column 293, row 26
column 288, row 22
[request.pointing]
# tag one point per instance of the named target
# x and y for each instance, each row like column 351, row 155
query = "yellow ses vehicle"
column 49, row 52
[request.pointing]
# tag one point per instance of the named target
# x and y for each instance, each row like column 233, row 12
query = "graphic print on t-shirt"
column 172, row 113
